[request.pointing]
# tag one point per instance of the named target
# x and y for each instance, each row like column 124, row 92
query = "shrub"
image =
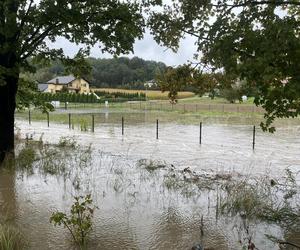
column 79, row 222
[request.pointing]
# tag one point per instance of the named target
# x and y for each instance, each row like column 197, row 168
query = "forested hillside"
column 116, row 72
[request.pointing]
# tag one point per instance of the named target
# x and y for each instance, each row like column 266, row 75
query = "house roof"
column 62, row 80
column 42, row 87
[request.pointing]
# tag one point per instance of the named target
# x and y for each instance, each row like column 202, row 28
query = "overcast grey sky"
column 146, row 48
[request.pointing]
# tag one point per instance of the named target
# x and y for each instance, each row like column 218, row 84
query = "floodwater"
column 135, row 210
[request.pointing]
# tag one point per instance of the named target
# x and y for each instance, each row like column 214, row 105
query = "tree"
column 26, row 24
column 190, row 78
column 258, row 41
column 175, row 80
column 78, row 66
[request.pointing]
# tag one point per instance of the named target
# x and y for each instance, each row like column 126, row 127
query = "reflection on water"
column 135, row 210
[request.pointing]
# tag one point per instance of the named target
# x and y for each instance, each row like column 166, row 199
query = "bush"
column 79, row 222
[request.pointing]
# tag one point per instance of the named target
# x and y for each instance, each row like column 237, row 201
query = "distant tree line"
column 119, row 72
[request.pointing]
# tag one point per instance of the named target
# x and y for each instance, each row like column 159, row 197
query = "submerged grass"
column 26, row 158
column 10, row 238
column 247, row 200
column 65, row 160
column 267, row 200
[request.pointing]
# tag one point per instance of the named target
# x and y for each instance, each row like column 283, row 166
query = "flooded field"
column 150, row 194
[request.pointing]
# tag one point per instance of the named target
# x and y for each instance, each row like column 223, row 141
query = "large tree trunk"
column 7, row 111
column 9, row 74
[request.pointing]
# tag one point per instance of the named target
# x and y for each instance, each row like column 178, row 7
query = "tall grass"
column 10, row 238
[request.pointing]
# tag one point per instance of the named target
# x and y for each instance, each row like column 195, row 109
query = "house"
column 43, row 87
column 69, row 84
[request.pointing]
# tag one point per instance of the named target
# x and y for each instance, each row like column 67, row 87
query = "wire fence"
column 87, row 122
column 165, row 106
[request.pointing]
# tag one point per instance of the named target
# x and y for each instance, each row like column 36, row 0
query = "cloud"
column 146, row 48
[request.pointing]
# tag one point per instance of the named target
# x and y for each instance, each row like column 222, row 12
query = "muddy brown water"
column 136, row 211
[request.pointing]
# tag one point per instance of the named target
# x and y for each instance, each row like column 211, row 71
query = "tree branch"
column 255, row 3
column 24, row 18
column 35, row 42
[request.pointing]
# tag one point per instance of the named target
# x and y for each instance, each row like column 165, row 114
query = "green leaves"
column 27, row 27
column 174, row 80
column 27, row 95
column 112, row 23
column 79, row 222
column 256, row 41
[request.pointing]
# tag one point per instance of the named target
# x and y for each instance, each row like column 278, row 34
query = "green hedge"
column 121, row 95
column 84, row 98
column 68, row 97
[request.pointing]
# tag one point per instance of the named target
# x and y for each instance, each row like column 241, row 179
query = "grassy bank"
column 216, row 100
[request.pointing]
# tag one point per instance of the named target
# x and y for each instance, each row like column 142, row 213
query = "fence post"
column 69, row 121
column 223, row 108
column 66, row 106
column 253, row 145
column 29, row 117
column 200, row 137
column 93, row 123
column 48, row 122
column 209, row 107
column 122, row 125
column 157, row 129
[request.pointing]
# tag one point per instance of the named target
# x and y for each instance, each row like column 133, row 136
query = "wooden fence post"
column 93, row 123
column 122, row 125
column 157, row 129
column 29, row 117
column 69, row 121
column 253, row 145
column 200, row 137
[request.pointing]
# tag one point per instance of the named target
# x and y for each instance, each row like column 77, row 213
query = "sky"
column 146, row 48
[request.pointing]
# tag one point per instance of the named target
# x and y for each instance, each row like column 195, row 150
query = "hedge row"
column 68, row 97
column 124, row 95
column 84, row 98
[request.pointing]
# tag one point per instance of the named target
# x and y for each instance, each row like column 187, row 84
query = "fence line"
column 166, row 106
column 71, row 126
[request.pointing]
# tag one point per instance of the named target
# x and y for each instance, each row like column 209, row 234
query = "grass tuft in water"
column 10, row 238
